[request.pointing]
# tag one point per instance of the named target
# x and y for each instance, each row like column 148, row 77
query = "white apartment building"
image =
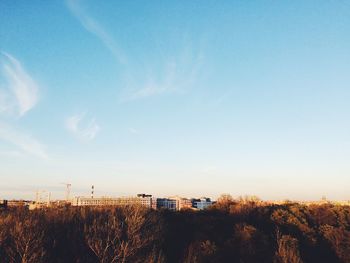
column 174, row 203
column 202, row 203
column 144, row 200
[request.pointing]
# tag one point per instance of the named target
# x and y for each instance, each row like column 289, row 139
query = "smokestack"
column 92, row 191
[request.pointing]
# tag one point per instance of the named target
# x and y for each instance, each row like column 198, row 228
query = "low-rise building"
column 166, row 203
column 3, row 203
column 201, row 203
column 18, row 203
column 144, row 200
column 174, row 203
column 184, row 203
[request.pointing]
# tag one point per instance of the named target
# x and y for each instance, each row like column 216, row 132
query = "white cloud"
column 165, row 83
column 24, row 142
column 86, row 133
column 176, row 76
column 21, row 91
column 96, row 29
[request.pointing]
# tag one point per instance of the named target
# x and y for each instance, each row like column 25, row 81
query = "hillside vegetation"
column 230, row 231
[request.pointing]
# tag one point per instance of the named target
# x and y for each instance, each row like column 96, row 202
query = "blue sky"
column 175, row 97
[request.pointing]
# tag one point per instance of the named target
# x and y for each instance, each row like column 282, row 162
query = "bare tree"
column 102, row 235
column 116, row 236
column 3, row 231
column 137, row 231
column 192, row 253
column 3, row 235
column 155, row 257
column 27, row 241
column 287, row 249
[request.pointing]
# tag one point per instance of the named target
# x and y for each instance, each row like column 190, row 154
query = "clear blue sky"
column 175, row 97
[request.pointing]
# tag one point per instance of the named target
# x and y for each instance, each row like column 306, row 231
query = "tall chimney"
column 92, row 191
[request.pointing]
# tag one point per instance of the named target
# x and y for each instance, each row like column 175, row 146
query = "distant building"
column 201, row 203
column 183, row 203
column 141, row 199
column 166, row 203
column 3, row 203
column 18, row 203
column 173, row 203
column 38, row 205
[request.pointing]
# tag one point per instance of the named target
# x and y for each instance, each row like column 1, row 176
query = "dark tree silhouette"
column 242, row 230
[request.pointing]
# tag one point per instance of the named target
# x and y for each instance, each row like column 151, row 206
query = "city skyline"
column 178, row 98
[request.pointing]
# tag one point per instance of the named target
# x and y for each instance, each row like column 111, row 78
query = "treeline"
column 230, row 231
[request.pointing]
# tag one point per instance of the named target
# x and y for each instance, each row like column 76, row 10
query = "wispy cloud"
column 94, row 27
column 176, row 76
column 21, row 93
column 133, row 130
column 23, row 141
column 87, row 132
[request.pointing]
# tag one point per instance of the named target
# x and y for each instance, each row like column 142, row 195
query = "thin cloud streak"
column 87, row 133
column 91, row 25
column 178, row 76
column 24, row 142
column 22, row 93
column 19, row 95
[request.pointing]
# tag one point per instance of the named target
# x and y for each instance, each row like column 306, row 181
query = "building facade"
column 166, row 203
column 3, row 203
column 174, row 203
column 201, row 203
column 143, row 200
